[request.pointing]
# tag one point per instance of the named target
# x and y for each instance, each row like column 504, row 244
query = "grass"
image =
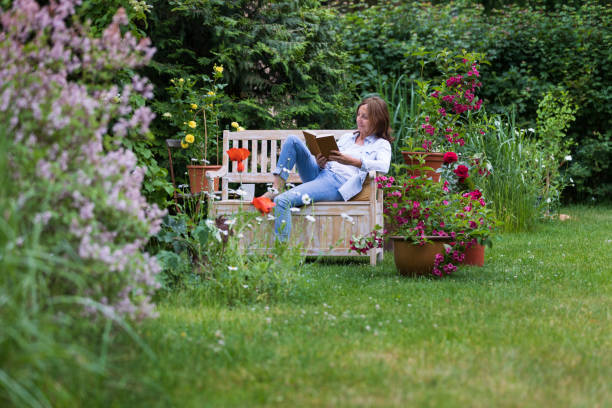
column 531, row 328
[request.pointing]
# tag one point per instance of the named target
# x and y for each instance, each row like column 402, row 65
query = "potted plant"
column 194, row 111
column 446, row 112
column 463, row 175
column 430, row 226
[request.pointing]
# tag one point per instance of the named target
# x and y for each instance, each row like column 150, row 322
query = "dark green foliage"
column 282, row 59
column 531, row 51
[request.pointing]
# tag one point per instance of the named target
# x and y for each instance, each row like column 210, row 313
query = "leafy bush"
column 283, row 61
column 213, row 256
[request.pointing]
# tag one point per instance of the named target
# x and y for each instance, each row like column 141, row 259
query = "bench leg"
column 373, row 256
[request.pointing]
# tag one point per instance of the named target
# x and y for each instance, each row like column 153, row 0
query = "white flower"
column 368, row 328
column 258, row 219
column 346, row 217
column 310, row 218
column 568, row 157
column 240, row 236
column 230, row 222
column 167, row 115
column 210, row 223
column 219, row 333
column 294, row 209
column 245, row 286
column 548, row 200
column 232, row 268
column 270, row 217
column 532, row 130
column 221, row 342
column 306, row 199
column 224, row 232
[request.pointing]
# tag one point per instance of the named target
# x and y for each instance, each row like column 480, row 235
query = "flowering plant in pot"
column 449, row 113
column 432, row 224
column 194, row 112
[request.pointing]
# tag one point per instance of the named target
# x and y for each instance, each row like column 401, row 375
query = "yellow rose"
column 211, row 93
column 194, row 106
column 240, row 129
column 181, row 81
column 184, row 145
column 191, row 124
column 189, row 138
column 235, row 125
column 219, row 69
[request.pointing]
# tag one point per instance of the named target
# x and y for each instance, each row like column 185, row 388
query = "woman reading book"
column 338, row 177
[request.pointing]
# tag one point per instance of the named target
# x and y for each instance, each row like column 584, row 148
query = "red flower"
column 450, row 157
column 263, row 204
column 238, row 154
column 476, row 194
column 462, row 172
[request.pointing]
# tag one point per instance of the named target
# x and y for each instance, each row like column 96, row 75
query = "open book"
column 323, row 143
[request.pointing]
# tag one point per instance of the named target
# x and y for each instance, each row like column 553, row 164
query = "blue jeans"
column 320, row 184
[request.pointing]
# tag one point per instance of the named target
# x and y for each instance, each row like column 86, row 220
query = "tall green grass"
column 514, row 186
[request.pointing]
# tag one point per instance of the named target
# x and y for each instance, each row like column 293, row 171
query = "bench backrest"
column 265, row 147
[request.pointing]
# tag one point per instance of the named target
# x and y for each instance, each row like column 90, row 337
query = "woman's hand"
column 321, row 160
column 335, row 155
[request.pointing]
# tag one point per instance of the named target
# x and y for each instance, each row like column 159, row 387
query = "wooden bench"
column 330, row 234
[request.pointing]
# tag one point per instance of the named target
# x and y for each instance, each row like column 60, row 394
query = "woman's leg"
column 323, row 188
column 295, row 153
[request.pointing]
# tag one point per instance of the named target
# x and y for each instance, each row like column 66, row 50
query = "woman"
column 341, row 175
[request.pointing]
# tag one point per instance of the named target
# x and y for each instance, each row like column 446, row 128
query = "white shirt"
column 375, row 154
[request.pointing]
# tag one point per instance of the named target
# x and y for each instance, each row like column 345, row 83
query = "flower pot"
column 433, row 160
column 412, row 259
column 197, row 178
column 474, row 255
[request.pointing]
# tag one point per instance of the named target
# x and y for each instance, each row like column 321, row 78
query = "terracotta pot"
column 412, row 259
column 474, row 255
column 197, row 178
column 434, row 160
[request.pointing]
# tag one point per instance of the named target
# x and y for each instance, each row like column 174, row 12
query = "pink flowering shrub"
column 449, row 111
column 67, row 121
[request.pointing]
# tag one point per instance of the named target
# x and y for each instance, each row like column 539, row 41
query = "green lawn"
column 533, row 327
